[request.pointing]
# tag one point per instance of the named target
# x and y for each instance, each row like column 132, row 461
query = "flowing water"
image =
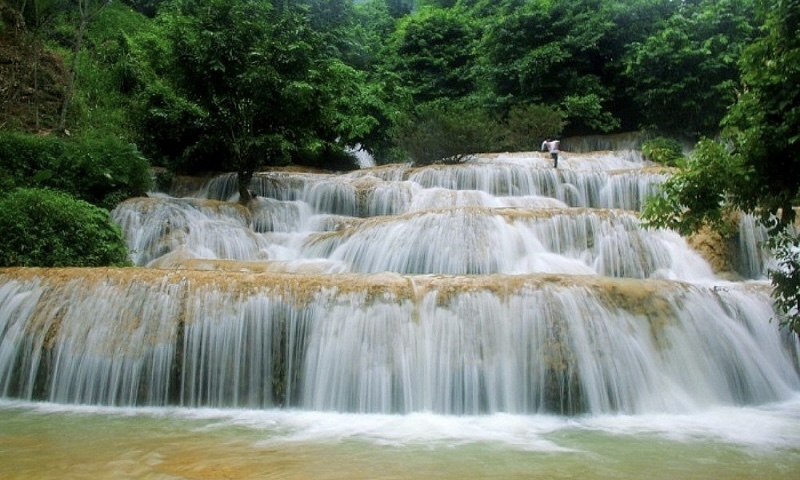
column 496, row 319
column 44, row 441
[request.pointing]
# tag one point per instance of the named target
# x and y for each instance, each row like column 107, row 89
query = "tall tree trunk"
column 73, row 69
column 88, row 9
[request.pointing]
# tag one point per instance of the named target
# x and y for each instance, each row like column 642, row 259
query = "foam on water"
column 767, row 427
column 771, row 427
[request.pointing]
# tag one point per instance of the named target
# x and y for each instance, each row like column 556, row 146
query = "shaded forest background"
column 299, row 81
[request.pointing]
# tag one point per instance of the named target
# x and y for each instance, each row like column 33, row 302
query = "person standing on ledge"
column 552, row 147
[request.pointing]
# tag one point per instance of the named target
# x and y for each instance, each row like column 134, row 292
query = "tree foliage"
column 785, row 278
column 527, row 125
column 758, row 169
column 764, row 124
column 46, row 228
column 759, row 164
column 701, row 193
column 370, row 23
column 432, row 52
column 87, row 11
column 255, row 83
column 761, row 169
column 605, row 65
column 145, row 7
column 399, row 8
column 102, row 171
column 683, row 76
column 447, row 134
column 553, row 53
column 663, row 150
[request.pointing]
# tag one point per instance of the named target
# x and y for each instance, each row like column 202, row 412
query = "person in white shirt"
column 552, row 147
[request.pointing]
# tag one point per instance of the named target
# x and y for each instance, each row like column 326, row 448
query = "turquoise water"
column 40, row 441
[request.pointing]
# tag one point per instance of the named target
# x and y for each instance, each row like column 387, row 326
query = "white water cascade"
column 498, row 286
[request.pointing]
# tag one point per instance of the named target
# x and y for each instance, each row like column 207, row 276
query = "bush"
column 100, row 170
column 168, row 126
column 326, row 156
column 104, row 171
column 448, row 134
column 45, row 228
column 665, row 151
column 785, row 277
column 26, row 158
column 586, row 112
column 528, row 125
column 696, row 195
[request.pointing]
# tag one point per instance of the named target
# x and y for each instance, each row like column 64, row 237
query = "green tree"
column 527, row 125
column 702, row 193
column 786, row 278
column 634, row 21
column 442, row 133
column 145, row 7
column 333, row 21
column 432, row 52
column 258, row 85
column 399, row 8
column 765, row 127
column 436, row 3
column 682, row 78
column 108, row 78
column 760, row 172
column 371, row 25
column 551, row 53
column 663, row 150
column 764, row 124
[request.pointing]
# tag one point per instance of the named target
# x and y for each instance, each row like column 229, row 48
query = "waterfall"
column 386, row 343
column 500, row 285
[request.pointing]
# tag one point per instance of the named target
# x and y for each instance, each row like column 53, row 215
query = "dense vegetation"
column 47, row 228
column 241, row 84
column 101, row 171
column 755, row 166
column 246, row 84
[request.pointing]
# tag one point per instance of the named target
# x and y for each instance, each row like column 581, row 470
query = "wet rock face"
column 716, row 250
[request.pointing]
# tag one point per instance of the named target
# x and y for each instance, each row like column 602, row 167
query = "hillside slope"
column 31, row 79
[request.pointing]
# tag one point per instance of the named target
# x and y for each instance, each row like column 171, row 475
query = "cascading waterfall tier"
column 457, row 241
column 498, row 285
column 606, row 181
column 387, row 343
